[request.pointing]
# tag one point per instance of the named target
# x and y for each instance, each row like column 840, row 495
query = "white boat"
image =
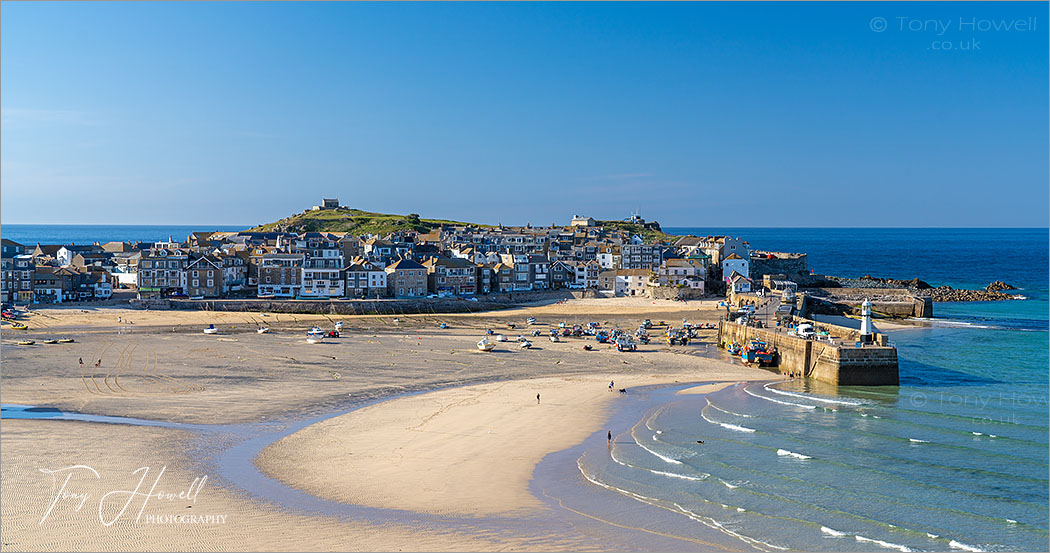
column 211, row 330
column 554, row 338
column 316, row 330
column 531, row 320
column 196, row 297
column 485, row 345
column 501, row 338
column 526, row 345
column 262, row 330
column 339, row 325
column 315, row 338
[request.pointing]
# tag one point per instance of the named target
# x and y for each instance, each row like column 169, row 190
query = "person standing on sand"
column 610, row 436
column 81, row 360
column 537, row 399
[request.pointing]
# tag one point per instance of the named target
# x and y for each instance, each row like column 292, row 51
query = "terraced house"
column 204, row 277
column 162, row 273
column 451, row 276
column 406, row 279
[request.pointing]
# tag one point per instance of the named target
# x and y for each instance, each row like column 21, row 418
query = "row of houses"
column 454, row 260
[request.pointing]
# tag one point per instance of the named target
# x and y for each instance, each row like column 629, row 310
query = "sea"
column 955, row 458
column 31, row 235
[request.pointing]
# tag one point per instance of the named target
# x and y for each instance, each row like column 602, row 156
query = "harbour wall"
column 849, row 300
column 405, row 306
column 831, row 363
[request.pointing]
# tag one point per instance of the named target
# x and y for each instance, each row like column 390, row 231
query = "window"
column 211, row 282
column 195, row 273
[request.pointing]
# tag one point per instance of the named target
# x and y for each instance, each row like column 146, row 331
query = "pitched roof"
column 733, row 256
column 405, row 264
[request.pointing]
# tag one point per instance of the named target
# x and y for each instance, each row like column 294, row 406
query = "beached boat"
column 758, row 352
column 52, row 341
column 262, row 330
column 211, row 330
column 485, row 345
column 531, row 320
column 501, row 338
column 19, row 326
column 26, row 342
column 443, row 326
column 265, row 296
column 554, row 337
column 66, row 341
column 339, row 326
column 196, row 297
column 315, row 338
column 624, row 344
column 525, row 345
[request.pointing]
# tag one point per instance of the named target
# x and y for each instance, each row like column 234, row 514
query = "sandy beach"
column 466, row 448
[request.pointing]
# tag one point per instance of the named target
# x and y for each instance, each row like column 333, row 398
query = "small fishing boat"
column 734, row 348
column 196, row 297
column 66, row 341
column 19, row 326
column 485, row 345
column 211, row 330
column 51, row 341
column 26, row 342
column 525, row 345
column 316, row 330
column 262, row 330
column 531, row 320
column 554, row 338
column 315, row 338
column 443, row 326
column 624, row 344
column 339, row 326
column 501, row 338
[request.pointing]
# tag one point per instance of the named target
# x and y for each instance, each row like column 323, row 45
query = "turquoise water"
column 955, row 458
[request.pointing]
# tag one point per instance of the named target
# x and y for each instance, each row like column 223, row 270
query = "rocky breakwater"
column 992, row 292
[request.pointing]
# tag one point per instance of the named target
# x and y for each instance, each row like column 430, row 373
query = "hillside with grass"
column 354, row 221
column 649, row 234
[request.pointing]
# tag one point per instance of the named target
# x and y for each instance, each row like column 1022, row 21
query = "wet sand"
column 432, row 454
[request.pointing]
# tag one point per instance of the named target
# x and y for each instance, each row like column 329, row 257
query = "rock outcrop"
column 999, row 285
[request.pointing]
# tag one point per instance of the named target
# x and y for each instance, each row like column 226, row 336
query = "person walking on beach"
column 81, row 360
column 610, row 436
column 537, row 399
column 611, row 385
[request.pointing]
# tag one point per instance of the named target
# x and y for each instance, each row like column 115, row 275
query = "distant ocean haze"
column 31, row 235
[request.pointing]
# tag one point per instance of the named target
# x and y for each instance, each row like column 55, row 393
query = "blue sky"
column 703, row 114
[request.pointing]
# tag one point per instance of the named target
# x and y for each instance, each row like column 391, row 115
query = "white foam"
column 786, row 453
column 977, row 433
column 831, row 532
column 932, row 536
column 708, row 521
column 749, row 392
column 1011, row 521
column 728, row 485
column 667, row 459
column 886, row 544
column 992, row 436
column 727, row 425
column 675, row 475
column 740, row 509
column 659, row 431
column 810, row 397
column 959, row 545
column 727, row 411
column 913, row 440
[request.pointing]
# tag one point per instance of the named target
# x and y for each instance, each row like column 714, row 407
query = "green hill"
column 649, row 234
column 354, row 221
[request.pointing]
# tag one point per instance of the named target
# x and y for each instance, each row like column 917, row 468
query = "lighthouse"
column 865, row 322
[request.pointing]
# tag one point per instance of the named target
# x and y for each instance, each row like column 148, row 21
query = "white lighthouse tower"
column 865, row 321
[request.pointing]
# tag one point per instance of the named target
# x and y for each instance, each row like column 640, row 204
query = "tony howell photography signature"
column 961, row 24
column 76, row 480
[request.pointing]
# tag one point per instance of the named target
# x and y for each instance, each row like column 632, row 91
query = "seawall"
column 404, row 306
column 846, row 365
